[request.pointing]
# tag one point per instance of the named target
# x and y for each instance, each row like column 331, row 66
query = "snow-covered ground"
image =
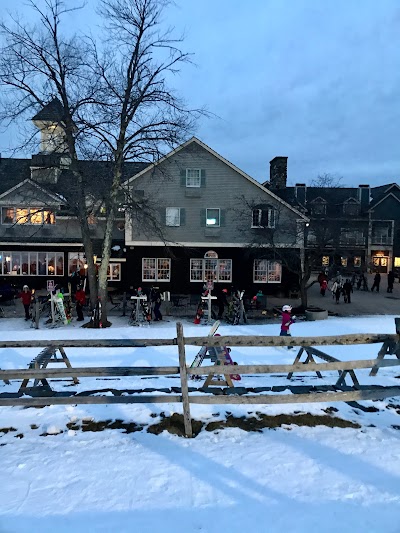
column 290, row 479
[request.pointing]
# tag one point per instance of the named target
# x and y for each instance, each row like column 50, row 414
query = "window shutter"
column 222, row 217
column 183, row 178
column 203, row 177
column 182, row 216
column 203, row 215
column 272, row 217
column 163, row 215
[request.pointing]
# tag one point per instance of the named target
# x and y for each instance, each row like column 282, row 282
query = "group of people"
column 345, row 288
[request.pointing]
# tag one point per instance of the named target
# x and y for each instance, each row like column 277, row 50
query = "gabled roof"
column 374, row 203
column 51, row 112
column 226, row 162
column 54, row 197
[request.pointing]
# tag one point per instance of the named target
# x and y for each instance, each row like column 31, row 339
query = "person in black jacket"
column 347, row 290
column 390, row 281
column 222, row 302
column 156, row 299
column 377, row 280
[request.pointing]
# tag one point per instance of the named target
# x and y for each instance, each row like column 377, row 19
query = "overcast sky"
column 315, row 80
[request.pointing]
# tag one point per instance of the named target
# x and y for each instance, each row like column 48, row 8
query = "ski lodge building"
column 209, row 221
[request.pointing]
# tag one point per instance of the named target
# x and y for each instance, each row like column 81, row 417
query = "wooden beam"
column 203, row 370
column 184, row 381
column 84, row 372
column 315, row 397
column 257, row 340
column 89, row 343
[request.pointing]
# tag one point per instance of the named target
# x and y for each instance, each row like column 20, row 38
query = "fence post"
column 124, row 304
column 184, row 383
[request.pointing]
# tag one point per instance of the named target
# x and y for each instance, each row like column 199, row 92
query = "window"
column 210, row 268
column 156, row 269
column 325, row 260
column 267, row 271
column 213, row 217
column 381, row 235
column 357, row 261
column 397, row 262
column 32, row 263
column 114, row 272
column 351, row 236
column 263, row 218
column 173, row 216
column 343, row 261
column 318, row 207
column 193, row 177
column 24, row 215
column 351, row 208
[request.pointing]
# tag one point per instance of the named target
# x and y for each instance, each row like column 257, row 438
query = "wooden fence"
column 41, row 396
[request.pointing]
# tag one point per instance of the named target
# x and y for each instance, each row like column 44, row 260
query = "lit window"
column 343, row 261
column 397, row 261
column 25, row 215
column 32, row 263
column 211, row 269
column 213, row 217
column 266, row 271
column 325, row 260
column 173, row 216
column 357, row 261
column 193, row 177
column 156, row 269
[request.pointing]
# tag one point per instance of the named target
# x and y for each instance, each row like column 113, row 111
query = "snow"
column 290, row 479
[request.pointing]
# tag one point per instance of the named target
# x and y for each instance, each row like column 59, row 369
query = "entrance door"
column 380, row 263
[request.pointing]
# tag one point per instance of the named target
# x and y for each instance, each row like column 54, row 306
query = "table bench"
column 45, row 357
column 311, row 351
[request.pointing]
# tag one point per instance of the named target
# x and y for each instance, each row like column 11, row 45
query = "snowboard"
column 60, row 309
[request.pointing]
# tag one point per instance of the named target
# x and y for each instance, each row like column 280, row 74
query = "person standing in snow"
column 156, row 299
column 323, row 285
column 222, row 302
column 80, row 299
column 287, row 321
column 26, row 297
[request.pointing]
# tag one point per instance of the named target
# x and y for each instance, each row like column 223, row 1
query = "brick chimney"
column 363, row 196
column 278, row 172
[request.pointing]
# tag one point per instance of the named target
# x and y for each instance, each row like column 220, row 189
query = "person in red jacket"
column 80, row 299
column 26, row 297
column 287, row 321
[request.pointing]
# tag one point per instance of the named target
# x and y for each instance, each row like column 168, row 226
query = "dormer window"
column 318, row 206
column 351, row 207
column 27, row 215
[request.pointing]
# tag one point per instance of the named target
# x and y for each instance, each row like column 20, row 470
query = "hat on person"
column 25, row 287
column 224, row 290
column 286, row 308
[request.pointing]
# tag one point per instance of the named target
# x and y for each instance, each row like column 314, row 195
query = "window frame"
column 30, row 212
column 187, row 182
column 268, row 214
column 266, row 274
column 157, row 269
column 219, row 217
column 222, row 273
column 178, row 209
column 17, row 259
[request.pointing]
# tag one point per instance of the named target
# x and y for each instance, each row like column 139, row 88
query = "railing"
column 231, row 395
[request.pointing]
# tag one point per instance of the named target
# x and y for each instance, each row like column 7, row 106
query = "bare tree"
column 327, row 180
column 116, row 102
column 296, row 243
